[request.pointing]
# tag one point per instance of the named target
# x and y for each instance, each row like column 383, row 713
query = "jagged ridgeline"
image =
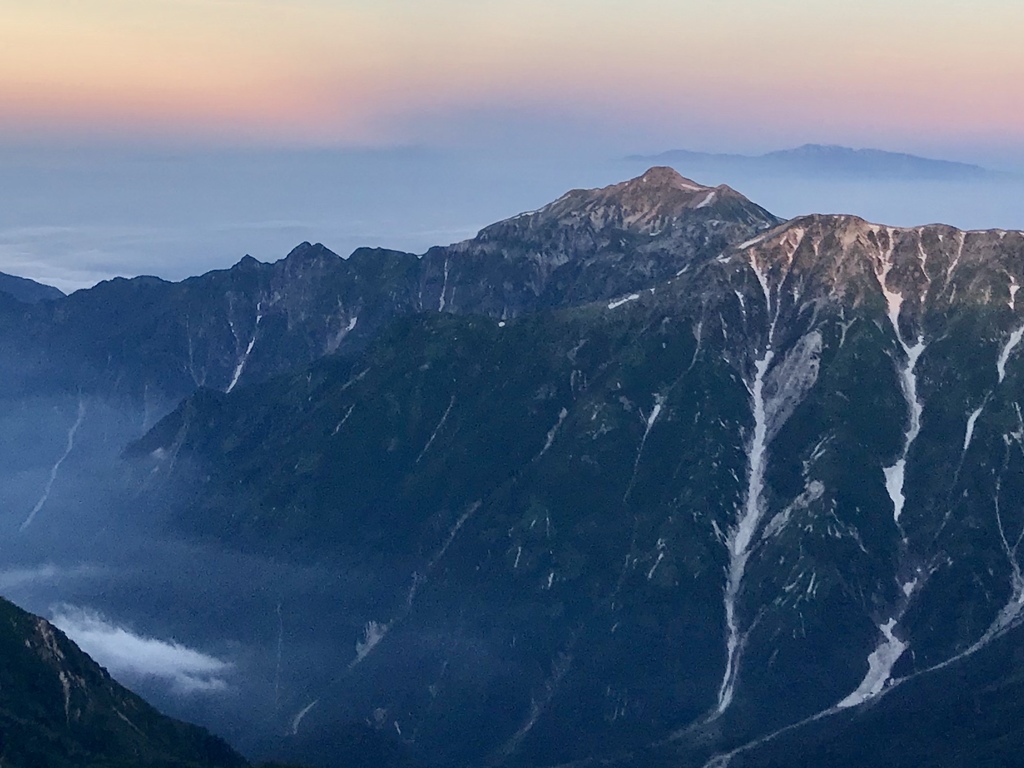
column 149, row 341
column 644, row 477
column 59, row 709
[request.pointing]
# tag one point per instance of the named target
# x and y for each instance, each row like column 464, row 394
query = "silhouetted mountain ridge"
column 58, row 708
column 28, row 291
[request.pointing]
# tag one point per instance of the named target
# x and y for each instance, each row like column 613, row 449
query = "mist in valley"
column 238, row 642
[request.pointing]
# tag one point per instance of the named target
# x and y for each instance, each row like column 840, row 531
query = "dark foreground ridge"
column 60, row 709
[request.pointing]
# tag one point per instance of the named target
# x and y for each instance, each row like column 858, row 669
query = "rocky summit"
column 644, row 477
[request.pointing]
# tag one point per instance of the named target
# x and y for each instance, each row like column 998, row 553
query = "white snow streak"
column 538, row 705
column 742, row 534
column 297, row 720
column 553, row 432
column 752, row 241
column 626, row 300
column 889, row 650
column 650, row 574
column 1010, row 614
column 659, row 403
column 452, row 534
column 375, row 631
column 880, row 664
column 775, row 394
column 248, row 350
column 1015, row 606
column 956, row 259
column 343, row 331
column 655, row 413
column 661, row 556
column 1004, row 356
column 743, row 303
column 895, row 475
column 878, row 682
column 972, row 420
column 56, row 467
column 444, row 288
column 707, row 200
column 437, row 429
column 345, row 418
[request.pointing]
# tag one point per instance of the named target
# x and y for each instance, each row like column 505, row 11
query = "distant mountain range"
column 824, row 160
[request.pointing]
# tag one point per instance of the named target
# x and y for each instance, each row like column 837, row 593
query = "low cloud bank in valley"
column 128, row 655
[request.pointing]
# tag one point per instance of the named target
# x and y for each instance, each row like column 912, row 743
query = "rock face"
column 58, row 708
column 644, row 477
column 590, row 245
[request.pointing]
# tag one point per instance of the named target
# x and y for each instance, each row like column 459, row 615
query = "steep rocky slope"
column 59, row 709
column 754, row 494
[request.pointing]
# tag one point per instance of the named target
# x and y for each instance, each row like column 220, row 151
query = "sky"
column 171, row 137
column 734, row 74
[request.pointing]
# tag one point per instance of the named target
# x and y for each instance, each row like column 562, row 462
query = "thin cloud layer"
column 127, row 654
column 12, row 579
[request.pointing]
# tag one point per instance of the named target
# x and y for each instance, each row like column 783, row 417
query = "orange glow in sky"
column 314, row 71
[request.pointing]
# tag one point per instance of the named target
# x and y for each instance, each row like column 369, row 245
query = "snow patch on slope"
column 619, row 302
column 880, row 664
column 1004, row 355
column 68, row 447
